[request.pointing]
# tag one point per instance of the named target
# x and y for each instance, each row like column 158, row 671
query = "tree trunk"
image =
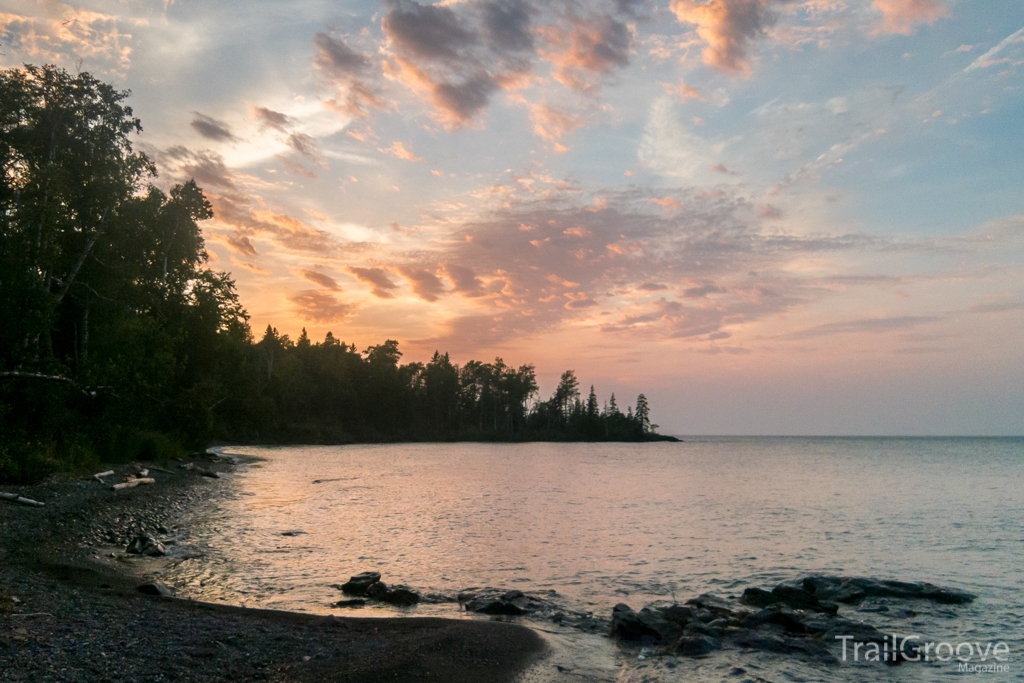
column 70, row 279
column 84, row 354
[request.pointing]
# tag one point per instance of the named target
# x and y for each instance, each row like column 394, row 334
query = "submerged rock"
column 798, row 618
column 368, row 584
column 401, row 596
column 499, row 601
column 792, row 596
column 853, row 589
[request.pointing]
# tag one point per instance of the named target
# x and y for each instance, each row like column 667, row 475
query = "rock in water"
column 377, row 590
column 358, row 584
column 853, row 589
column 499, row 601
column 646, row 625
column 355, row 602
column 401, row 596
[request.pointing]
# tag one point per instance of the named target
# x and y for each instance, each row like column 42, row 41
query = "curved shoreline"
column 79, row 615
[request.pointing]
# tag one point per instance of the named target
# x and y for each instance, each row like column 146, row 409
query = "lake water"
column 606, row 523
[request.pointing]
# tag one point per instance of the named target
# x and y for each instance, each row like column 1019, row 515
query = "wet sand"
column 78, row 614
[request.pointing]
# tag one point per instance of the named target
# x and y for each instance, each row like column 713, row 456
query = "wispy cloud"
column 868, row 325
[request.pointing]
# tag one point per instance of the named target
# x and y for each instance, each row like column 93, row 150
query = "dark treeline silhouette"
column 117, row 342
column 329, row 392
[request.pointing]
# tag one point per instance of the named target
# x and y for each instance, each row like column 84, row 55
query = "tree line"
column 118, row 341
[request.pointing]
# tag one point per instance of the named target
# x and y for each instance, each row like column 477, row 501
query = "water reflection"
column 604, row 523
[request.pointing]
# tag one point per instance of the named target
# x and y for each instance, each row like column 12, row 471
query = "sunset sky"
column 770, row 216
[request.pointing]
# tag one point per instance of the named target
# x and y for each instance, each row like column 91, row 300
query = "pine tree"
column 643, row 414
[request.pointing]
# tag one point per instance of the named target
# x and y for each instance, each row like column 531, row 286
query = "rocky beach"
column 77, row 605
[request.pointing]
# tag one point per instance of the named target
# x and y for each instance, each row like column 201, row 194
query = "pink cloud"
column 727, row 27
column 902, row 16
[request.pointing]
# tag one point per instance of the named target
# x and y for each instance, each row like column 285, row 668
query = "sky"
column 769, row 216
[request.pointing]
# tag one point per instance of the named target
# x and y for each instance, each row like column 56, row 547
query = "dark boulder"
column 358, row 584
column 768, row 641
column 798, row 598
column 679, row 614
column 697, row 645
column 647, row 625
column 758, row 597
column 354, row 602
column 155, row 588
column 853, row 589
column 712, row 603
column 145, row 544
column 376, row 590
column 401, row 596
column 790, row 620
column 497, row 601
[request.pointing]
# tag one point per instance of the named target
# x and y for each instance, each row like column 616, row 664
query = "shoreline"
column 79, row 614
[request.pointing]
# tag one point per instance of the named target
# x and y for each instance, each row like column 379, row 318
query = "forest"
column 119, row 342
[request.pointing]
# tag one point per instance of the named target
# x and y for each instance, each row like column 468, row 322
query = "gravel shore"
column 71, row 612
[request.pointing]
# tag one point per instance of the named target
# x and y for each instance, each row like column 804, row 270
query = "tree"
column 643, row 414
column 566, row 393
column 68, row 171
column 593, row 409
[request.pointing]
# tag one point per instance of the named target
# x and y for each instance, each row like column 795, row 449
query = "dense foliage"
column 118, row 342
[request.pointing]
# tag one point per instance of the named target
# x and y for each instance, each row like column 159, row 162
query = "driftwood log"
column 131, row 483
column 15, row 498
column 99, row 476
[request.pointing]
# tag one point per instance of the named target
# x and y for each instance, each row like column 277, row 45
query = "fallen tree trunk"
column 15, row 498
column 131, row 483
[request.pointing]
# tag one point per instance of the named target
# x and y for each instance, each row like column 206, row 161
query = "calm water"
column 607, row 523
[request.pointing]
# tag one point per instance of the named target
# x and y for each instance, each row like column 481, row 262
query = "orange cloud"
column 66, row 34
column 727, row 26
column 686, row 91
column 901, row 16
column 399, row 150
column 588, row 47
column 668, row 203
column 551, row 124
column 320, row 307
